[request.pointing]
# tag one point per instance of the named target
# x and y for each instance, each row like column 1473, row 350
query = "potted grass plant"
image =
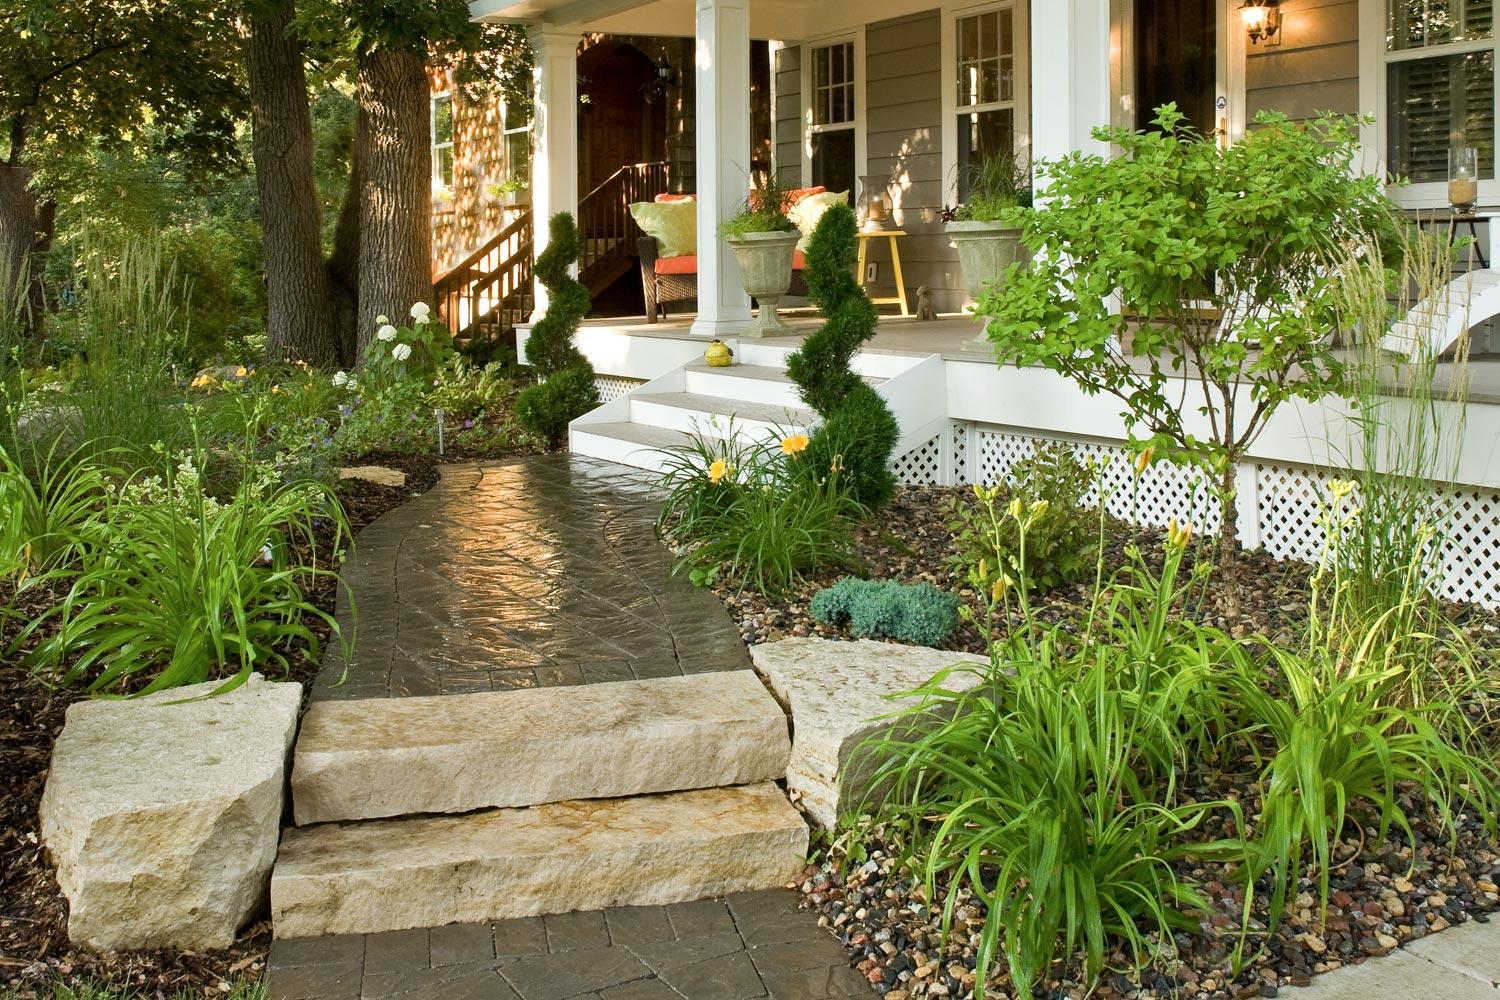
column 764, row 241
column 986, row 226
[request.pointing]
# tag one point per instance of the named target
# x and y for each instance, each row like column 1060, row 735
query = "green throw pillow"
column 674, row 224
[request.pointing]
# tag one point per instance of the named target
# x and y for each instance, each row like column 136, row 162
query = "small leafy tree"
column 858, row 432
column 1225, row 263
column 567, row 388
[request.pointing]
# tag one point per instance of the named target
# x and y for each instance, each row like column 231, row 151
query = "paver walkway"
column 754, row 945
column 539, row 572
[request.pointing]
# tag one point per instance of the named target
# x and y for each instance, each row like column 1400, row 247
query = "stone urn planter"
column 985, row 251
column 765, row 261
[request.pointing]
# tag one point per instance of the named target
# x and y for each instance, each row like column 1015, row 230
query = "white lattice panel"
column 923, row 465
column 958, row 434
column 1471, row 546
column 1289, row 508
column 612, row 387
column 1162, row 492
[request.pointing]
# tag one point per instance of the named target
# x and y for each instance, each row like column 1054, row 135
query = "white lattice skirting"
column 1279, row 505
column 612, row 387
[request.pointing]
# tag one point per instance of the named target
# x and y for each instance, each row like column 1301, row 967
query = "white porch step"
column 381, row 875
column 641, row 446
column 380, row 757
column 755, row 383
column 690, row 411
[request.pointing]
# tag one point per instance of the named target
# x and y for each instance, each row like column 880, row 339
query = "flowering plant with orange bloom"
column 718, row 469
column 794, row 444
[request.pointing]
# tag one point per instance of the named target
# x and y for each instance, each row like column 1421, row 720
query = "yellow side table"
column 899, row 299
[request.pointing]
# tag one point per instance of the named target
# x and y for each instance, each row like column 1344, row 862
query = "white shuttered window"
column 1440, row 85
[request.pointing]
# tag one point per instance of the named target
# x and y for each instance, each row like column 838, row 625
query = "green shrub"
column 547, row 408
column 758, row 511
column 393, row 418
column 858, row 432
column 467, row 391
column 1215, row 249
column 1062, row 542
column 550, row 350
column 411, row 351
column 916, row 613
column 175, row 587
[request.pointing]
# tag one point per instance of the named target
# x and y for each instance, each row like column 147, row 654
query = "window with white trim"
column 988, row 88
column 832, row 129
column 1440, row 85
column 515, row 134
column 442, row 142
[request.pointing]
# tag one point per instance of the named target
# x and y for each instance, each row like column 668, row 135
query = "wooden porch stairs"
column 484, row 296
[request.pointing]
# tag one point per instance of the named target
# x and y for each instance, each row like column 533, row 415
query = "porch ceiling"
column 783, row 20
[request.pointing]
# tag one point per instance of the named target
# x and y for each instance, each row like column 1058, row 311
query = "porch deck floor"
column 953, row 337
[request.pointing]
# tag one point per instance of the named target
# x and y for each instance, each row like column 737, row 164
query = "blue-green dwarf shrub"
column 916, row 613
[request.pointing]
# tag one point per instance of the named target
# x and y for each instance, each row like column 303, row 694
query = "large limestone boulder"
column 837, row 693
column 162, row 813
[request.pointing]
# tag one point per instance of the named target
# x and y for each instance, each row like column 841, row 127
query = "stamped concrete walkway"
column 533, row 573
column 536, row 573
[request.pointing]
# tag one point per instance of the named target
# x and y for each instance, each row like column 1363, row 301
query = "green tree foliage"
column 1227, row 263
column 81, row 73
column 567, row 387
column 858, row 432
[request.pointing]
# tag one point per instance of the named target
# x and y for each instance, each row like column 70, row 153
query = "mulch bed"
column 1383, row 894
column 34, row 946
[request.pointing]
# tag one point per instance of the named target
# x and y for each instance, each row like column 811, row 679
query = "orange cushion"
column 686, row 264
column 667, row 199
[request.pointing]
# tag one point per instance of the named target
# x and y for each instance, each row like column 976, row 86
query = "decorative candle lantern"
column 872, row 202
column 1463, row 178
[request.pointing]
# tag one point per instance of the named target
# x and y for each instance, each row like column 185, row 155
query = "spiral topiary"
column 858, row 432
column 566, row 389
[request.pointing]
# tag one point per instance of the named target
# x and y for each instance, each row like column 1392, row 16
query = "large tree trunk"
column 343, row 263
column 299, row 295
column 26, row 224
column 395, row 235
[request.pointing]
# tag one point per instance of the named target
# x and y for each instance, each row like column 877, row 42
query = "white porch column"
column 1070, row 74
column 723, row 159
column 554, row 156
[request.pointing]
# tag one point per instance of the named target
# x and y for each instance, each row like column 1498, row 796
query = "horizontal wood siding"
column 788, row 113
column 903, row 87
column 1316, row 66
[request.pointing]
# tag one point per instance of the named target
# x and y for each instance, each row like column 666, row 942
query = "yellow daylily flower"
column 717, row 471
column 1144, row 459
column 794, row 444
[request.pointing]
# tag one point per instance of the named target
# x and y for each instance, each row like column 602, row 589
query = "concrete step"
column 688, row 411
column 750, row 382
column 380, row 875
column 639, row 445
column 378, row 757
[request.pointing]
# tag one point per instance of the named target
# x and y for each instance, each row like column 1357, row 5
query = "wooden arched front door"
column 617, row 124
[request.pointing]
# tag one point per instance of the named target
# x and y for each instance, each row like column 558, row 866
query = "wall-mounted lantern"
column 1262, row 20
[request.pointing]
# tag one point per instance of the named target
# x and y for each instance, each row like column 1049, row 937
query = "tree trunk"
column 299, row 294
column 26, row 224
column 395, row 234
column 343, row 263
column 1229, row 536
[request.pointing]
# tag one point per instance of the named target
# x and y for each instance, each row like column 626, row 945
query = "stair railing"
column 490, row 286
column 605, row 223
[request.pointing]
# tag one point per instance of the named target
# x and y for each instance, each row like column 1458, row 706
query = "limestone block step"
column 378, row 757
column 354, row 878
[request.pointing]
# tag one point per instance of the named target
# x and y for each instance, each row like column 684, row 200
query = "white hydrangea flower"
column 420, row 310
column 401, row 352
column 386, row 332
column 382, row 319
column 423, row 320
column 340, row 379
